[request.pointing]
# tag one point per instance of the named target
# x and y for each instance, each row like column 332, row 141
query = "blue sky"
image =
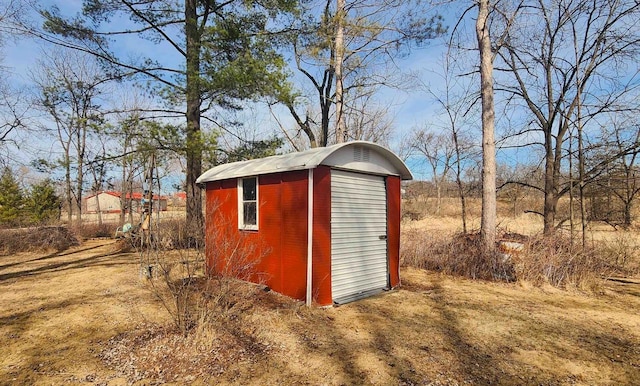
column 409, row 109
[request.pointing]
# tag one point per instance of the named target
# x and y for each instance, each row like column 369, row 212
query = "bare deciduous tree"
column 439, row 152
column 368, row 121
column 488, row 220
column 618, row 181
column 225, row 50
column 374, row 33
column 456, row 99
column 13, row 104
column 566, row 63
column 69, row 86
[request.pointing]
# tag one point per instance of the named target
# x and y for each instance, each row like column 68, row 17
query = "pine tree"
column 228, row 50
column 11, row 199
column 43, row 204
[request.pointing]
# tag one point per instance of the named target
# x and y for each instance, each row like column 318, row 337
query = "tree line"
column 222, row 54
column 559, row 91
column 557, row 80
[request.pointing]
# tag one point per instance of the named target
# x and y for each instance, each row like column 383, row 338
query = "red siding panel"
column 268, row 270
column 275, row 254
column 230, row 251
column 393, row 229
column 220, row 224
column 294, row 188
column 322, row 236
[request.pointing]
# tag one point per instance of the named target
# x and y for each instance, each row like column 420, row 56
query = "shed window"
column 248, row 203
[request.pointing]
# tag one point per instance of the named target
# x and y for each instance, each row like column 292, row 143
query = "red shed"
column 320, row 225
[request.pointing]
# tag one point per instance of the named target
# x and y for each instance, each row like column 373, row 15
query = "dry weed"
column 553, row 260
column 91, row 231
column 36, row 239
column 226, row 333
column 622, row 252
column 561, row 263
column 459, row 255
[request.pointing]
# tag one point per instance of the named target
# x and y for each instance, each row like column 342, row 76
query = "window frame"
column 241, row 202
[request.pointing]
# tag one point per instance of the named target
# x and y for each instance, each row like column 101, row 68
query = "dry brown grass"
column 458, row 254
column 559, row 262
column 424, row 207
column 85, row 316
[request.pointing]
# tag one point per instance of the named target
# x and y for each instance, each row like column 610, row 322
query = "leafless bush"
column 36, row 239
column 622, row 253
column 177, row 234
column 173, row 277
column 177, row 276
column 460, row 255
column 561, row 263
column 89, row 231
column 554, row 260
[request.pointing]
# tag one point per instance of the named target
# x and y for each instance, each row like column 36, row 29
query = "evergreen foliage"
column 11, row 199
column 42, row 204
column 229, row 50
column 253, row 149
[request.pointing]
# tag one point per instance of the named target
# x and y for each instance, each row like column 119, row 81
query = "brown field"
column 85, row 316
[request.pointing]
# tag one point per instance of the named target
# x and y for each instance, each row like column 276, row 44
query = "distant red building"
column 109, row 202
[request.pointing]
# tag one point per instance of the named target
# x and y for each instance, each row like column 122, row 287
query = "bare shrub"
column 36, row 239
column 561, row 263
column 416, row 246
column 177, row 234
column 172, row 276
column 459, row 255
column 193, row 298
column 553, row 260
column 160, row 353
column 173, row 260
column 90, row 231
column 622, row 253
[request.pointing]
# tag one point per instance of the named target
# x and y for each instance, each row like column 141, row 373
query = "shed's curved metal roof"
column 358, row 155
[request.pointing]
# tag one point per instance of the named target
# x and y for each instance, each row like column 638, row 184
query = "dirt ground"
column 85, row 316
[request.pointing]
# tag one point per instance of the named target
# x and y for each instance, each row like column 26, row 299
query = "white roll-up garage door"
column 358, row 235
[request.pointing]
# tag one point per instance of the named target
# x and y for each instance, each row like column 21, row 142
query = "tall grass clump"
column 36, row 239
column 458, row 255
column 559, row 262
column 553, row 260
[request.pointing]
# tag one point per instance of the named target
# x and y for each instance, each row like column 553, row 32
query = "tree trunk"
column 123, row 194
column 98, row 208
column 81, row 144
column 67, row 181
column 339, row 58
column 488, row 220
column 627, row 215
column 581, row 171
column 326, row 110
column 549, row 212
column 193, row 146
column 459, row 184
column 129, row 194
column 438, row 197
